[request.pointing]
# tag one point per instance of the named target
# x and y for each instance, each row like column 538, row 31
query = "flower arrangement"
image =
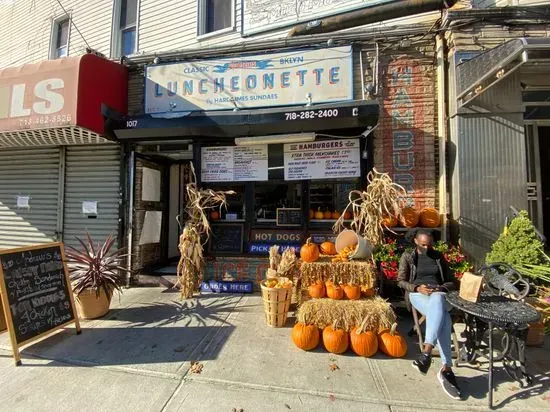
column 455, row 258
column 387, row 256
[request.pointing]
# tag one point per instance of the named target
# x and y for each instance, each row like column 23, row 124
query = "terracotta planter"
column 89, row 306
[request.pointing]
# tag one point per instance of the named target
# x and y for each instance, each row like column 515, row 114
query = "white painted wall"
column 26, row 28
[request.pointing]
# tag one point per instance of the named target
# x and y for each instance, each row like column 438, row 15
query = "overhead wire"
column 73, row 23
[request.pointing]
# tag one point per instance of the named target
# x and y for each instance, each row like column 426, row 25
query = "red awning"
column 58, row 102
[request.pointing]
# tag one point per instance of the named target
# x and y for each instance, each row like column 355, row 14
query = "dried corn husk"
column 274, row 257
column 196, row 233
column 381, row 198
column 374, row 312
column 288, row 263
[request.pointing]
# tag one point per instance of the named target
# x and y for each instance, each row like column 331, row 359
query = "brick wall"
column 405, row 143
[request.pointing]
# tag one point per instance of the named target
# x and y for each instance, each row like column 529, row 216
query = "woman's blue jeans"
column 438, row 322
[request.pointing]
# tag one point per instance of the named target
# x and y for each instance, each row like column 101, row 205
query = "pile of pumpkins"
column 362, row 342
column 327, row 214
column 335, row 291
column 410, row 217
column 310, row 252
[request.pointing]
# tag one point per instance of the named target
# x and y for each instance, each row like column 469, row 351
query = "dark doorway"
column 544, row 146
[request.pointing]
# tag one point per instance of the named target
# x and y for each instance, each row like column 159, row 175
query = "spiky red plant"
column 95, row 267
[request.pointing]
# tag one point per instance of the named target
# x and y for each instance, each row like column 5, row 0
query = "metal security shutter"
column 34, row 173
column 92, row 173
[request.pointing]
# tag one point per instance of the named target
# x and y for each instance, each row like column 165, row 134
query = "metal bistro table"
column 511, row 317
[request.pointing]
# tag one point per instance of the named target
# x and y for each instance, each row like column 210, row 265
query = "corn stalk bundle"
column 196, row 232
column 382, row 198
column 375, row 312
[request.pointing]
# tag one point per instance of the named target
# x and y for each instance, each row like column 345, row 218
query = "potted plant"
column 386, row 256
column 95, row 272
column 455, row 258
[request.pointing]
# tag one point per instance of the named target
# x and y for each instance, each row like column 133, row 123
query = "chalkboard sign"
column 36, row 292
column 290, row 217
column 226, row 238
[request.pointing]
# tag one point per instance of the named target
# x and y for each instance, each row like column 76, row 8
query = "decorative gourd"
column 392, row 343
column 363, row 342
column 304, row 336
column 309, row 252
column 214, row 215
column 335, row 292
column 311, row 213
column 327, row 214
column 409, row 217
column 335, row 340
column 347, row 215
column 319, row 215
column 367, row 292
column 317, row 290
column 335, row 214
column 352, row 292
column 328, row 248
column 389, row 221
column 429, row 217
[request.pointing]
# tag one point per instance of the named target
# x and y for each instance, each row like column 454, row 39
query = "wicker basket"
column 276, row 304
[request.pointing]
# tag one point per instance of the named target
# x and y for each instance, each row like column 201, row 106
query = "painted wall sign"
column 276, row 236
column 263, row 15
column 407, row 148
column 289, row 78
column 234, row 163
column 322, row 160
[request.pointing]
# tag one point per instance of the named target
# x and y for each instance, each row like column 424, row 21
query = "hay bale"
column 359, row 272
column 377, row 313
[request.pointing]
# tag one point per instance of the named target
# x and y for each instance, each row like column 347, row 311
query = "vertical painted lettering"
column 285, row 79
column 334, row 74
column 318, row 73
column 301, row 77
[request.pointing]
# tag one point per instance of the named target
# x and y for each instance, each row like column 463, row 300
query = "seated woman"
column 425, row 276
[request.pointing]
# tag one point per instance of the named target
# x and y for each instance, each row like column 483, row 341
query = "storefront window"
column 236, row 210
column 330, row 196
column 268, row 197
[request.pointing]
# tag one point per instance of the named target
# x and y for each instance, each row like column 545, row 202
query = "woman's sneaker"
column 422, row 363
column 448, row 383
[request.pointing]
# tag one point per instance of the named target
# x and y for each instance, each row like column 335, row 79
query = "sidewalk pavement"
column 138, row 358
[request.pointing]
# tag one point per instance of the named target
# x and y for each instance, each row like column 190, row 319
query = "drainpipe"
column 442, row 131
column 130, row 212
column 380, row 12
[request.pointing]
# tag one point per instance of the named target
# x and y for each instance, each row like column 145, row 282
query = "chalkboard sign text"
column 290, row 216
column 226, row 238
column 36, row 292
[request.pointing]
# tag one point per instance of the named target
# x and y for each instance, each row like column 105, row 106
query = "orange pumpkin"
column 335, row 214
column 409, row 217
column 352, row 292
column 329, row 283
column 309, row 252
column 317, row 290
column 214, row 215
column 311, row 213
column 363, row 342
column 429, row 217
column 335, row 340
column 328, row 248
column 304, row 336
column 389, row 221
column 327, row 214
column 347, row 215
column 392, row 343
column 367, row 292
column 335, row 292
column 319, row 215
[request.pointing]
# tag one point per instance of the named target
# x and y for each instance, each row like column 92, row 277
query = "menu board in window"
column 290, row 217
column 234, row 163
column 36, row 293
column 322, row 160
column 226, row 238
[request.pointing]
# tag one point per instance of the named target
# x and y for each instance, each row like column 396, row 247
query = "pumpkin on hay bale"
column 309, row 252
column 375, row 312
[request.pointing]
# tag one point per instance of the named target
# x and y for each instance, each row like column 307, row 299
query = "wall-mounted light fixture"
column 275, row 139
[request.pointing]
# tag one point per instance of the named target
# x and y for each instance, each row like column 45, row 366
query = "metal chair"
column 417, row 328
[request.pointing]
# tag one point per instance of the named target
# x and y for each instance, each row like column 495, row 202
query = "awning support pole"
column 442, row 133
